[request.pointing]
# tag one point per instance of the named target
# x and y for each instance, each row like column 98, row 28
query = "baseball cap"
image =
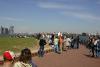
column 8, row 55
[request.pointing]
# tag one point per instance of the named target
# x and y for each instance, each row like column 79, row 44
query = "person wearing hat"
column 8, row 57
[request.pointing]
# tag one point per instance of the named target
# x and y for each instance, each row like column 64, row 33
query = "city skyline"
column 51, row 15
column 7, row 31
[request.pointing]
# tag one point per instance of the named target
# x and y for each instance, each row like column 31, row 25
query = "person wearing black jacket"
column 42, row 43
column 92, row 46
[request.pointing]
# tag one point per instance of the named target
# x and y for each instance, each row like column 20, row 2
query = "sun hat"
column 8, row 55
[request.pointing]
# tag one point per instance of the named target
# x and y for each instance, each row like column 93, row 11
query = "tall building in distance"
column 11, row 30
column 7, row 31
column 2, row 30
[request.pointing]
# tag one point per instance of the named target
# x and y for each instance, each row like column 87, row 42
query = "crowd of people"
column 94, row 46
column 58, row 42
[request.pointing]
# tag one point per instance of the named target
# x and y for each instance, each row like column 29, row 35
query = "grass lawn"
column 16, row 44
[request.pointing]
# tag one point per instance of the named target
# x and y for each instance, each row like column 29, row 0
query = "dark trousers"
column 92, row 51
column 41, row 51
column 77, row 45
column 97, row 52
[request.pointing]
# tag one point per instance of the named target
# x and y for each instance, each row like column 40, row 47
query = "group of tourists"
column 63, row 43
column 58, row 42
column 94, row 46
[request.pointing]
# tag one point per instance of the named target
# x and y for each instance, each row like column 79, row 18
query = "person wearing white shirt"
column 97, row 46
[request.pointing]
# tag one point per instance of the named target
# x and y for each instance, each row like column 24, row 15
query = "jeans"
column 97, row 53
column 56, row 49
column 41, row 51
column 92, row 48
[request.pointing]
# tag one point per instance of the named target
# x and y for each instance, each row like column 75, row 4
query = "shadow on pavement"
column 89, row 56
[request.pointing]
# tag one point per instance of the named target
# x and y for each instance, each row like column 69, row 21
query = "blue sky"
column 51, row 15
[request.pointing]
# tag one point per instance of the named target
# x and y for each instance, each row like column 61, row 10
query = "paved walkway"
column 71, row 58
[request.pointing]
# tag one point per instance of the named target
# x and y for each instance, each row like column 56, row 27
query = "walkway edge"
column 34, row 53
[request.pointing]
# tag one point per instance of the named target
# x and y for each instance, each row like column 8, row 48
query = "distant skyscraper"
column 2, row 30
column 11, row 30
column 6, row 31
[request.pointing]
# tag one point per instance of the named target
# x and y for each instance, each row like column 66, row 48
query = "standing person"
column 9, row 57
column 68, row 43
column 51, row 41
column 51, row 44
column 77, row 42
column 25, row 59
column 97, row 46
column 39, row 35
column 52, row 38
column 65, row 42
column 60, row 42
column 56, row 44
column 89, row 45
column 72, row 42
column 42, row 43
column 92, row 46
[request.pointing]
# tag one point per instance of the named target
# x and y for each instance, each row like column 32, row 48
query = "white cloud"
column 11, row 19
column 54, row 5
column 70, row 9
column 81, row 15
